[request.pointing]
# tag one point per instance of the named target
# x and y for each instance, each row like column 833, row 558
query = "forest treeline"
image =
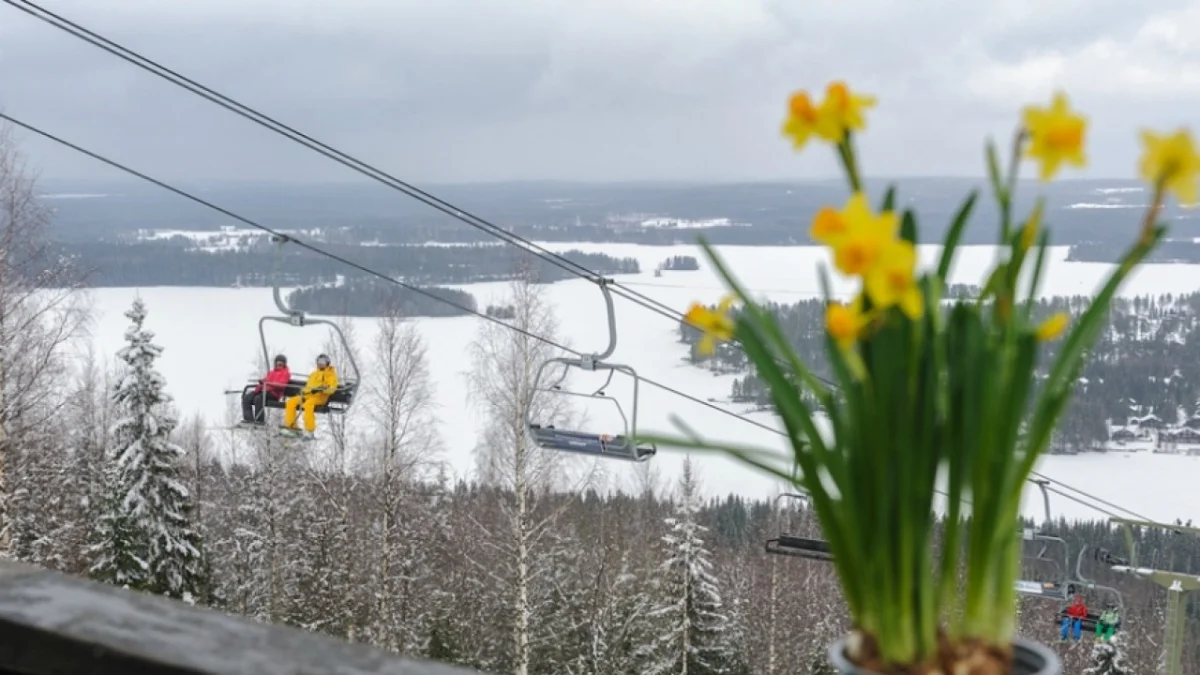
column 761, row 214
column 178, row 263
column 1146, row 361
column 371, row 297
column 1186, row 251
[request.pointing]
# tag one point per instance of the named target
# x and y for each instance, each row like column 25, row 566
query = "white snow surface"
column 211, row 343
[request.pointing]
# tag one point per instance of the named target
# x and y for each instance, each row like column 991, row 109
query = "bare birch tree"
column 399, row 401
column 505, row 363
column 41, row 312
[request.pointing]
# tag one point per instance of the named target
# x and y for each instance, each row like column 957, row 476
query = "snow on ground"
column 211, row 343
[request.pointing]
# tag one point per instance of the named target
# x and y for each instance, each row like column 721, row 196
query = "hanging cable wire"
column 290, row 238
column 152, row 66
column 366, row 270
column 1092, row 497
column 1083, row 503
column 264, row 120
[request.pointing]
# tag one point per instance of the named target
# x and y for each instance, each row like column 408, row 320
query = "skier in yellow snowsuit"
column 320, row 386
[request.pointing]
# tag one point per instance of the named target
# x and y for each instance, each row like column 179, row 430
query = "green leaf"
column 954, row 234
column 1036, row 278
column 908, row 227
column 994, row 175
column 889, row 200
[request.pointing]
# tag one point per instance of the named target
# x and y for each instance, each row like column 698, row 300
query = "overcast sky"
column 466, row 90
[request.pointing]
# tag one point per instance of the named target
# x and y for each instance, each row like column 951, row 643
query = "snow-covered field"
column 211, row 343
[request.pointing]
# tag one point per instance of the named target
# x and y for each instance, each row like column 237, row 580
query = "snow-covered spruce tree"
column 688, row 608
column 1108, row 658
column 148, row 541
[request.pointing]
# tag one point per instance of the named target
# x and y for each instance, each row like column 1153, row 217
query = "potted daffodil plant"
column 929, row 394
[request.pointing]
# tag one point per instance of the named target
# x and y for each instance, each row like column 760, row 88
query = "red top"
column 1078, row 611
column 276, row 381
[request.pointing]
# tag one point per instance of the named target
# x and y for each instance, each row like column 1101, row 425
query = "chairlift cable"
column 1083, row 503
column 333, row 256
column 290, row 238
column 152, row 66
column 58, row 21
column 236, row 107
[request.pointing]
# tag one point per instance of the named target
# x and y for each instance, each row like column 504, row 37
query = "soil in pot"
column 1025, row 657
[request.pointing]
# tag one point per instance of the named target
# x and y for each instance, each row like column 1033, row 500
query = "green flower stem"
column 845, row 148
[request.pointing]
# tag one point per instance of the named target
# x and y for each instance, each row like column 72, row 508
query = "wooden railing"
column 54, row 623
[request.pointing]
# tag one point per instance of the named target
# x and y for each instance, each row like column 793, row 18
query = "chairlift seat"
column 338, row 403
column 616, row 447
column 1089, row 624
column 802, row 547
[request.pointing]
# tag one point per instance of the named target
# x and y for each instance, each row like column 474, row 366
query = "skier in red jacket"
column 273, row 386
column 1076, row 613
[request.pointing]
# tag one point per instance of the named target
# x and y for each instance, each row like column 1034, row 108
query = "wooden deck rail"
column 55, row 623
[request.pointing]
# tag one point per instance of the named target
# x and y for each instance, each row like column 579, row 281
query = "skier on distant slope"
column 273, row 386
column 322, row 383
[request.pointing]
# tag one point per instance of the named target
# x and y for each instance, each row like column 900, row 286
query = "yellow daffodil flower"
column 867, row 234
column 892, row 280
column 841, row 110
column 1173, row 160
column 844, row 109
column 828, row 226
column 1056, row 136
column 716, row 325
column 845, row 322
column 802, row 121
column 1051, row 328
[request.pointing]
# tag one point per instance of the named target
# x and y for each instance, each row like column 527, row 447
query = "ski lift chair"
column 343, row 397
column 799, row 547
column 1060, row 587
column 1082, row 583
column 623, row 446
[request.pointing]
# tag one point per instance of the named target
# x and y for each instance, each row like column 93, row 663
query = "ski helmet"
column 322, row 359
column 280, row 358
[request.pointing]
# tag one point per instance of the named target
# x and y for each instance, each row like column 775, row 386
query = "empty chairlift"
column 800, row 547
column 621, row 446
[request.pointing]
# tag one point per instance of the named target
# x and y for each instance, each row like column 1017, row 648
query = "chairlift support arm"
column 1090, row 584
column 1063, row 567
column 296, row 317
column 1042, row 484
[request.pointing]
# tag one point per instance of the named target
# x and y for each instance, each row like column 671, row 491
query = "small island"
column 685, row 263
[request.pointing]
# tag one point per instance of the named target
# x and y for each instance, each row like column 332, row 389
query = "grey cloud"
column 590, row 89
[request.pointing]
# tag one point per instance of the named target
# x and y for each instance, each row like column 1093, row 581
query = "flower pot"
column 1029, row 658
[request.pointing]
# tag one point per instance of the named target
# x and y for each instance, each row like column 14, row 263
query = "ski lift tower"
column 1176, row 583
